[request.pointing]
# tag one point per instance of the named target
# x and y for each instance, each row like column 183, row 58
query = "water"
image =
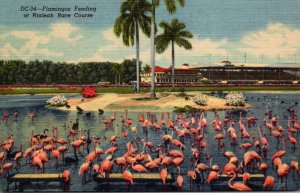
column 47, row 118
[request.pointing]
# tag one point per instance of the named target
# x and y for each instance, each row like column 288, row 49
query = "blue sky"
column 263, row 29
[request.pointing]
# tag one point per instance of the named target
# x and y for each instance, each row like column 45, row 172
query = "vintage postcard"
column 149, row 95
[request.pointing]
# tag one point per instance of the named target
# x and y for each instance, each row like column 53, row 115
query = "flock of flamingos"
column 171, row 152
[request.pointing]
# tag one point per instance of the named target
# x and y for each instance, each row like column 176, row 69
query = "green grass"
column 127, row 90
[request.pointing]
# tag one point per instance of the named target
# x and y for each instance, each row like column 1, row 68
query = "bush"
column 235, row 98
column 200, row 99
column 57, row 101
column 186, row 109
column 88, row 92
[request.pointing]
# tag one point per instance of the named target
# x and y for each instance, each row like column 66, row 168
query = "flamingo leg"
column 286, row 183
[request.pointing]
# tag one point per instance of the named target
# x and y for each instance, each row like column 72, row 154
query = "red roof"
column 160, row 69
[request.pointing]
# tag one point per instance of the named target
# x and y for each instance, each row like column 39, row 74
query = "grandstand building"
column 250, row 73
column 226, row 72
column 183, row 75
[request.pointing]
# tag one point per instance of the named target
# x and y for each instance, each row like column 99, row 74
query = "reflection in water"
column 92, row 125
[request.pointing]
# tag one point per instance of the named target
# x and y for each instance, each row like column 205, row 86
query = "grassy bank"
column 126, row 90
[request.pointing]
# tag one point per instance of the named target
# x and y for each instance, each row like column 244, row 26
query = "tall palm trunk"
column 137, row 41
column 173, row 67
column 152, row 47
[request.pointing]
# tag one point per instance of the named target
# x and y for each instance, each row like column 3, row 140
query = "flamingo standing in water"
column 5, row 117
column 36, row 161
column 106, row 122
column 138, row 168
column 289, row 128
column 16, row 115
column 297, row 126
column 246, row 146
column 213, row 175
column 219, row 137
column 18, row 156
column 5, row 167
column 82, row 171
column 32, row 116
column 282, row 172
column 192, row 175
column 295, row 167
column 201, row 168
column 179, row 179
column 233, row 134
column 73, row 133
column 56, row 154
column 203, row 121
column 277, row 134
column 262, row 167
column 163, row 122
column 170, row 122
column 263, row 139
column 292, row 141
column 76, row 145
column 127, row 175
column 141, row 118
column 280, row 153
column 163, row 175
column 66, row 176
column 112, row 119
column 269, row 183
column 106, row 166
column 62, row 150
column 216, row 123
column 238, row 186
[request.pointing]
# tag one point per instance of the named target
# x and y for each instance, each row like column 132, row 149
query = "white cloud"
column 7, row 50
column 201, row 47
column 95, row 58
column 275, row 39
column 65, row 31
column 115, row 43
column 3, row 36
column 32, row 49
column 114, row 51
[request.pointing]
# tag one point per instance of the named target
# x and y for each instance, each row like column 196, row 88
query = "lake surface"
column 48, row 117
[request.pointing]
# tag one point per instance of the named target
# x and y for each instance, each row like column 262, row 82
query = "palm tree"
column 146, row 68
column 114, row 70
column 133, row 17
column 171, row 7
column 174, row 33
column 120, row 70
column 117, row 70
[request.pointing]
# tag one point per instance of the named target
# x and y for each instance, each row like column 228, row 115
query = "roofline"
column 247, row 67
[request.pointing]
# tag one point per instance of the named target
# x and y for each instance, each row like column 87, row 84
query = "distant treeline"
column 38, row 72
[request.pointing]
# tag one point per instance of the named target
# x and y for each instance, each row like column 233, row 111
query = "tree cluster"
column 49, row 72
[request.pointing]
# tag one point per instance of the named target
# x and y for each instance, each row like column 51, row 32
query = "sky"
column 266, row 31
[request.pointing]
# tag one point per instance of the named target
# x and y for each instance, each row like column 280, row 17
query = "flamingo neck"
column 231, row 179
